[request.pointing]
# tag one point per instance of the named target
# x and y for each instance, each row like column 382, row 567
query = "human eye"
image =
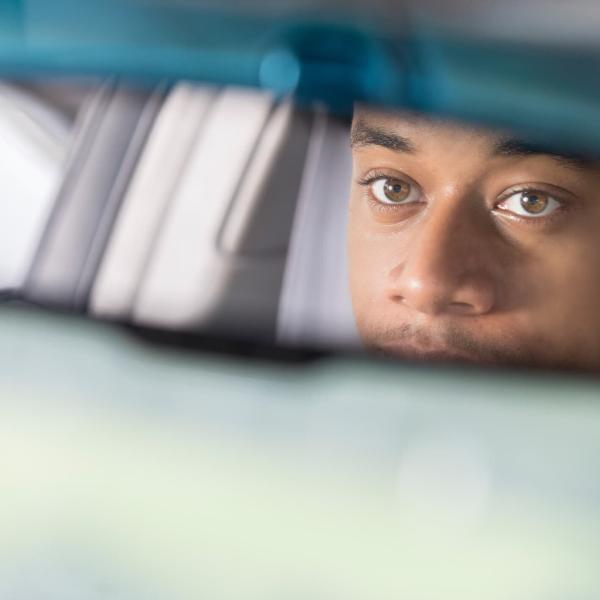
column 529, row 203
column 392, row 190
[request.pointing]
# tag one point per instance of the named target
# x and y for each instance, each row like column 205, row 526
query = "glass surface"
column 296, row 199
column 132, row 472
column 230, row 213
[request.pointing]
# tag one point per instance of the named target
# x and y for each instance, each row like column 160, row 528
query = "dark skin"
column 467, row 245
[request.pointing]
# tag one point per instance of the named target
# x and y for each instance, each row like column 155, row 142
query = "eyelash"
column 533, row 221
column 373, row 176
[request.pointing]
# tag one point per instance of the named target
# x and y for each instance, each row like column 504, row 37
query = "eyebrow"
column 520, row 148
column 368, row 135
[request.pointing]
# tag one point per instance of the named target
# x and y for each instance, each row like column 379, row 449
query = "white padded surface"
column 147, row 200
column 33, row 145
column 185, row 278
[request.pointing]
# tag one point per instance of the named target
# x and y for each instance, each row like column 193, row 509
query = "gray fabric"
column 315, row 307
column 102, row 160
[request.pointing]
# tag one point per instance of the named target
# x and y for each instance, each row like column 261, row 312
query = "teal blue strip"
column 549, row 95
column 142, row 63
column 12, row 19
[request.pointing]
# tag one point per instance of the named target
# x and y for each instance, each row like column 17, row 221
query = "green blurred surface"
column 171, row 475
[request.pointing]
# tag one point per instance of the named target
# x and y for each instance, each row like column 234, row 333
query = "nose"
column 447, row 266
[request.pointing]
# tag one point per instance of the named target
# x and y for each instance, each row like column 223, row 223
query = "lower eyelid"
column 526, row 215
column 398, row 211
column 532, row 222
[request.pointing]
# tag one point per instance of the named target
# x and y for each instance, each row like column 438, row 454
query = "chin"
column 482, row 356
column 432, row 355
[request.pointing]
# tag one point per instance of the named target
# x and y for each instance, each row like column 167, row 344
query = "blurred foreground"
column 136, row 472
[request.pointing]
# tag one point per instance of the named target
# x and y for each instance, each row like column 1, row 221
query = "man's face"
column 468, row 245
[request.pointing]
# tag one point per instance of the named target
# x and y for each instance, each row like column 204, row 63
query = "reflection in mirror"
column 473, row 245
column 226, row 212
column 197, row 209
column 36, row 127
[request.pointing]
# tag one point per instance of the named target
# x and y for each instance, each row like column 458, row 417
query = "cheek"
column 573, row 284
column 571, row 294
column 371, row 258
column 560, row 289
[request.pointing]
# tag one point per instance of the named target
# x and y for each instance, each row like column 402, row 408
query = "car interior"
column 146, row 202
column 187, row 407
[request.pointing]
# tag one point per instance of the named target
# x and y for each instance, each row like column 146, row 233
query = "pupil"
column 395, row 190
column 534, row 203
